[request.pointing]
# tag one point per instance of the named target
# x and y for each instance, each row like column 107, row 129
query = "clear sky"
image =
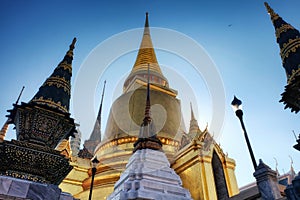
column 237, row 35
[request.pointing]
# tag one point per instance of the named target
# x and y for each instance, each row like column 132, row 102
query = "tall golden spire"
column 146, row 52
column 146, row 55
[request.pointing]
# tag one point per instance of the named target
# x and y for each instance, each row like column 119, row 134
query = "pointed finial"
column 270, row 11
column 20, row 95
column 291, row 161
column 276, row 166
column 100, row 110
column 147, row 135
column 147, row 21
column 236, row 101
column 72, row 46
column 192, row 112
column 292, row 171
column 148, row 106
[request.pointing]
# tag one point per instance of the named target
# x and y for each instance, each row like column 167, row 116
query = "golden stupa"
column 200, row 162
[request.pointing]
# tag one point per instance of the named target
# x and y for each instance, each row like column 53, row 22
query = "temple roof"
column 56, row 90
column 146, row 55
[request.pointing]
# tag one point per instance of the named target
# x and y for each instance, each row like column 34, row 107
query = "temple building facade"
column 153, row 149
column 202, row 166
column 144, row 152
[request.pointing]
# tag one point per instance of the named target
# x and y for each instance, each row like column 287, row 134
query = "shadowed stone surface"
column 15, row 189
column 267, row 183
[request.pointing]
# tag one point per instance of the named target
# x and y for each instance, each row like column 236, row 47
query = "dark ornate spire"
column 41, row 125
column 95, row 137
column 45, row 120
column 147, row 136
column 146, row 56
column 288, row 39
column 56, row 90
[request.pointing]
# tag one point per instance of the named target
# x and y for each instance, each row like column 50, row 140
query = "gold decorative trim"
column 282, row 29
column 80, row 169
column 74, row 182
column 70, row 53
column 125, row 140
column 59, row 82
column 156, row 88
column 4, row 130
column 66, row 66
column 289, row 47
column 50, row 103
column 294, row 73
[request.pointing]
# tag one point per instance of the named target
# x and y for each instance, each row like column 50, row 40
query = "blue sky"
column 238, row 36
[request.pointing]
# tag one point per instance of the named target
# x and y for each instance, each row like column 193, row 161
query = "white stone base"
column 148, row 176
column 19, row 189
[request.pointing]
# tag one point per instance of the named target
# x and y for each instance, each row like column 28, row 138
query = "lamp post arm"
column 239, row 114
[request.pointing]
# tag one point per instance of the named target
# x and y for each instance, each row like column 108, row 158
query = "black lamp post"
column 237, row 106
column 95, row 162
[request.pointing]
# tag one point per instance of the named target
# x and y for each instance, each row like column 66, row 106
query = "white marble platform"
column 148, row 176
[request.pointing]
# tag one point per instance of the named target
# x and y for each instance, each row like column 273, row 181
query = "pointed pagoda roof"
column 56, row 90
column 146, row 55
column 288, row 39
column 194, row 127
column 147, row 136
column 95, row 137
column 96, row 134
